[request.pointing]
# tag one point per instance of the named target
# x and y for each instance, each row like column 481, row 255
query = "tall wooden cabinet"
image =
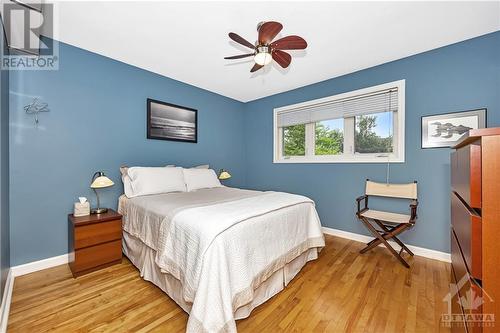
column 475, row 231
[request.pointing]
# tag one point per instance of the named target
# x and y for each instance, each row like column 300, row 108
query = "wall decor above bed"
column 444, row 130
column 167, row 121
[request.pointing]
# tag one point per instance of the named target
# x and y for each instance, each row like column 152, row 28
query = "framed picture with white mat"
column 444, row 130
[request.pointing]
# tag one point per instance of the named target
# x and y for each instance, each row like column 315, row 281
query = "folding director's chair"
column 390, row 225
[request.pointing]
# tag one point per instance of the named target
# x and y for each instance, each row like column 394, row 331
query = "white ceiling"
column 187, row 41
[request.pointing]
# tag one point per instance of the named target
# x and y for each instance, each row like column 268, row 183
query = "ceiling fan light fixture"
column 266, row 49
column 263, row 56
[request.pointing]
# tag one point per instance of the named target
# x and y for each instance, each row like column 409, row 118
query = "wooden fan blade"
column 240, row 40
column 240, row 56
column 289, row 43
column 282, row 58
column 256, row 67
column 268, row 31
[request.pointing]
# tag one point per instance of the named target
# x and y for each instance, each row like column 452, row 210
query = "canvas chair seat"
column 386, row 216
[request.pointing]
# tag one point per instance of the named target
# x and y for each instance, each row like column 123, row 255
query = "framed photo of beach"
column 172, row 122
column 445, row 130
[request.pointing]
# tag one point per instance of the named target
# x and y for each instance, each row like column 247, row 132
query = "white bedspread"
column 222, row 250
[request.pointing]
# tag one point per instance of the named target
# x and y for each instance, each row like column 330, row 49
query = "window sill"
column 340, row 159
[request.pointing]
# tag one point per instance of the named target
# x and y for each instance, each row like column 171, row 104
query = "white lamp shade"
column 224, row 175
column 263, row 58
column 101, row 182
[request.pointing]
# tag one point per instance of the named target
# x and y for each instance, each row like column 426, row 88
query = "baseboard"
column 7, row 296
column 419, row 251
column 39, row 265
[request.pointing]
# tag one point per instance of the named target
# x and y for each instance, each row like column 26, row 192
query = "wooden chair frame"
column 388, row 231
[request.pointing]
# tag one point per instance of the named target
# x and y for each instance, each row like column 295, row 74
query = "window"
column 365, row 125
column 373, row 133
column 329, row 138
column 294, row 140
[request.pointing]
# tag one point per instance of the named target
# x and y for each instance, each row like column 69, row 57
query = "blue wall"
column 4, row 173
column 458, row 77
column 97, row 121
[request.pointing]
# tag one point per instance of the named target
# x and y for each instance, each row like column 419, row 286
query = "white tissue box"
column 81, row 209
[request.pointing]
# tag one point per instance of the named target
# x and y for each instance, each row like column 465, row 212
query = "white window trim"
column 397, row 157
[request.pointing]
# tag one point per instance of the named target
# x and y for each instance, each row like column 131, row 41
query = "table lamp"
column 223, row 174
column 99, row 180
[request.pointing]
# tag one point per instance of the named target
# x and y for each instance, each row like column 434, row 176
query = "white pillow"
column 200, row 178
column 127, row 183
column 153, row 180
column 127, row 188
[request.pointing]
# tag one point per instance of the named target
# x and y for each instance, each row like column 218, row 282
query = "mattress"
column 220, row 252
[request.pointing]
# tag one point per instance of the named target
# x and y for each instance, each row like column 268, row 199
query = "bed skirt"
column 143, row 257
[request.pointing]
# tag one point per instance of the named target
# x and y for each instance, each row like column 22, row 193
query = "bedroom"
column 151, row 120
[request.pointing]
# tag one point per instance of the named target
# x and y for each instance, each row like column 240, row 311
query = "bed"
column 220, row 252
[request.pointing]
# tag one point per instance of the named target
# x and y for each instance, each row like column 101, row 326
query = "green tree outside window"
column 366, row 140
column 294, row 140
column 331, row 141
column 328, row 141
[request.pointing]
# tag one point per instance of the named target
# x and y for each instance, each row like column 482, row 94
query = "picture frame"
column 171, row 122
column 445, row 130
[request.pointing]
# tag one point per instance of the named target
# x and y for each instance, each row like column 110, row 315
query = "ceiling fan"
column 265, row 50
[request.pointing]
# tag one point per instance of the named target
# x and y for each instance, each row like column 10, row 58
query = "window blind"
column 381, row 101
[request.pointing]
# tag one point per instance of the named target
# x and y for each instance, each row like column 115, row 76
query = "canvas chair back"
column 404, row 191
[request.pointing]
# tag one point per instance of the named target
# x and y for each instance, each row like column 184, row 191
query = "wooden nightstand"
column 95, row 241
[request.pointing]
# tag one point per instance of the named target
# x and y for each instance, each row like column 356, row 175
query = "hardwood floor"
column 342, row 291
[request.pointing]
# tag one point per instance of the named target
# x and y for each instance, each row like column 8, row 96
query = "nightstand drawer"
column 93, row 234
column 95, row 256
